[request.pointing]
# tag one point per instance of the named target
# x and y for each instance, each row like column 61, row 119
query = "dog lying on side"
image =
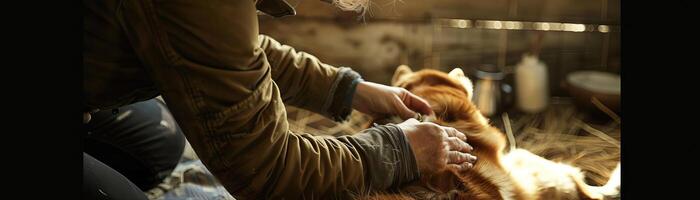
column 517, row 174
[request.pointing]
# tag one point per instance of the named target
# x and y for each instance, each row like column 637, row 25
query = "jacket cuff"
column 407, row 170
column 387, row 157
column 338, row 106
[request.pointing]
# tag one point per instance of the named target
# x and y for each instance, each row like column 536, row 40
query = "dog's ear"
column 458, row 74
column 400, row 72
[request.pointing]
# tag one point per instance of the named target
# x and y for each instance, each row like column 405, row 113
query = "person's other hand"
column 381, row 101
column 436, row 147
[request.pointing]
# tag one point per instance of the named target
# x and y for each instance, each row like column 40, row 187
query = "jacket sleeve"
column 205, row 59
column 306, row 82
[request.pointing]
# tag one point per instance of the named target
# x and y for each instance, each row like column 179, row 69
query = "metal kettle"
column 491, row 94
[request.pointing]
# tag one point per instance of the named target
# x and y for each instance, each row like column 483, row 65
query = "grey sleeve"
column 387, row 157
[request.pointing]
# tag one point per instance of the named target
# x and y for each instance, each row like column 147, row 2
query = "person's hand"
column 380, row 101
column 437, row 148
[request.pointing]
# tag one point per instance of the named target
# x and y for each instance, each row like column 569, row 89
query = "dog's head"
column 406, row 78
column 449, row 95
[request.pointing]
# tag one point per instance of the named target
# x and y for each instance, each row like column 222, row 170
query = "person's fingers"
column 401, row 109
column 460, row 167
column 455, row 144
column 456, row 157
column 417, row 103
column 453, row 132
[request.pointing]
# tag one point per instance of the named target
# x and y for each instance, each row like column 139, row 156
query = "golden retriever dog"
column 516, row 174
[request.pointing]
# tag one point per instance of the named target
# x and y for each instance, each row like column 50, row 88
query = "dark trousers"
column 130, row 150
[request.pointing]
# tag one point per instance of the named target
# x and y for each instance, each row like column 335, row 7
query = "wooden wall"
column 410, row 32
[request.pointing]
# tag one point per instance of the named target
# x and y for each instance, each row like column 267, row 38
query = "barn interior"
column 545, row 72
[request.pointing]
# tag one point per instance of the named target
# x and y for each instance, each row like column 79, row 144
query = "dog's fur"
column 517, row 174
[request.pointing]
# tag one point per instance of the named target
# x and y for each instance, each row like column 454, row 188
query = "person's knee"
column 142, row 141
column 172, row 134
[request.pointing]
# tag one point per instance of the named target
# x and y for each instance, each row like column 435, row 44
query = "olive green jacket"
column 226, row 85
